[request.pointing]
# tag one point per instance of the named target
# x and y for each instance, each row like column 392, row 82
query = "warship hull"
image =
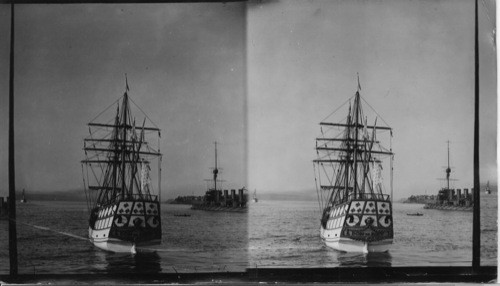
column 218, row 208
column 448, row 208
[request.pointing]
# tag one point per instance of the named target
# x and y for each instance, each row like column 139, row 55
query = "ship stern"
column 124, row 225
column 362, row 225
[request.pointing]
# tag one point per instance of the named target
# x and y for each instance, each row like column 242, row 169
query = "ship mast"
column 448, row 170
column 346, row 168
column 357, row 151
column 356, row 124
column 115, row 153
column 117, row 175
column 124, row 141
column 216, row 171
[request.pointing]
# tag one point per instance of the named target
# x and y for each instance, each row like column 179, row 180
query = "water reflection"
column 346, row 259
column 141, row 262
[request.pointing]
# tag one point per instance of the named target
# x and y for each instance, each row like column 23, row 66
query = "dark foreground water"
column 55, row 242
column 272, row 234
column 286, row 234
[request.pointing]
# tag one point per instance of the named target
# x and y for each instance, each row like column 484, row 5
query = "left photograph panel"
column 129, row 138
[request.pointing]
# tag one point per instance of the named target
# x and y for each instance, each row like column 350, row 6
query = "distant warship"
column 451, row 199
column 216, row 199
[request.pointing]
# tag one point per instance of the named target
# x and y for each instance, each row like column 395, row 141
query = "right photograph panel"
column 361, row 133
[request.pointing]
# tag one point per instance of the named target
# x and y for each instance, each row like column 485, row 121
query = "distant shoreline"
column 79, row 195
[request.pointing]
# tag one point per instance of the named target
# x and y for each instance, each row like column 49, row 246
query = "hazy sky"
column 415, row 60
column 258, row 78
column 186, row 70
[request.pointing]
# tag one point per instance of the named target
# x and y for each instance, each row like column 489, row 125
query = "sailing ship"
column 356, row 214
column 23, row 200
column 488, row 190
column 449, row 198
column 117, row 171
column 255, row 199
column 217, row 200
column 4, row 208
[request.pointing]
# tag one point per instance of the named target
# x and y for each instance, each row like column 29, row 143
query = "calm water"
column 286, row 234
column 201, row 242
column 272, row 234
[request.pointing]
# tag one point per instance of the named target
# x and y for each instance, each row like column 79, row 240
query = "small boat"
column 415, row 214
column 23, row 200
column 124, row 211
column 216, row 200
column 4, row 208
column 184, row 215
column 488, row 190
column 255, row 199
column 356, row 214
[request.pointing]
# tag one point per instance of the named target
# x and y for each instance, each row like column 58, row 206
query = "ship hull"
column 121, row 246
column 126, row 225
column 218, row 208
column 448, row 208
column 350, row 245
column 110, row 244
column 358, row 226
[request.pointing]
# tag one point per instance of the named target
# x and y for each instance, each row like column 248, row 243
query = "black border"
column 486, row 274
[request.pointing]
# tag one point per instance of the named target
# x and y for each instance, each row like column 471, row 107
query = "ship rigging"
column 356, row 212
column 123, row 204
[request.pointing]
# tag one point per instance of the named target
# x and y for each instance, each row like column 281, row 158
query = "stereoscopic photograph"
column 248, row 141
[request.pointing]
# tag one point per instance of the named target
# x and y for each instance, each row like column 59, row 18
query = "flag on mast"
column 126, row 82
column 359, row 85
